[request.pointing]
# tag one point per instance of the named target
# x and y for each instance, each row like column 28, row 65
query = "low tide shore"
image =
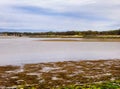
column 66, row 39
column 54, row 74
column 81, row 40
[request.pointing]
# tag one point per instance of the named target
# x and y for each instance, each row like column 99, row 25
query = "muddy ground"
column 55, row 74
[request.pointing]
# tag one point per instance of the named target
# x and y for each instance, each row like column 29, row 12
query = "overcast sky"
column 59, row 15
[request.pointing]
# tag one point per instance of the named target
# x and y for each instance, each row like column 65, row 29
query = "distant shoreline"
column 81, row 40
column 69, row 39
column 11, row 37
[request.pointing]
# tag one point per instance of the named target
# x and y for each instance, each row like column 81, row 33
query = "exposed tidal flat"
column 82, row 40
column 60, row 74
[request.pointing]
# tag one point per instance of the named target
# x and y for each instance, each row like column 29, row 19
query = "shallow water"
column 32, row 50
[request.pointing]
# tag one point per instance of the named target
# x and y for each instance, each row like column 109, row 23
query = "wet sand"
column 81, row 40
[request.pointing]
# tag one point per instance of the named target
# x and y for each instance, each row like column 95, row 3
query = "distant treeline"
column 69, row 33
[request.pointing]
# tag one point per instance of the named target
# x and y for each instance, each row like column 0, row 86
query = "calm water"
column 30, row 50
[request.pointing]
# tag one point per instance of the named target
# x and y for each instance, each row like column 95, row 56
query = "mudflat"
column 82, row 40
column 54, row 74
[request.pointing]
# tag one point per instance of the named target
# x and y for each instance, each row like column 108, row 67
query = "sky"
column 59, row 15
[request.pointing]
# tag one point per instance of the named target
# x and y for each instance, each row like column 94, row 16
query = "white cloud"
column 93, row 14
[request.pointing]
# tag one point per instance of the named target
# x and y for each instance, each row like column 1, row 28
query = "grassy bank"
column 104, row 85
